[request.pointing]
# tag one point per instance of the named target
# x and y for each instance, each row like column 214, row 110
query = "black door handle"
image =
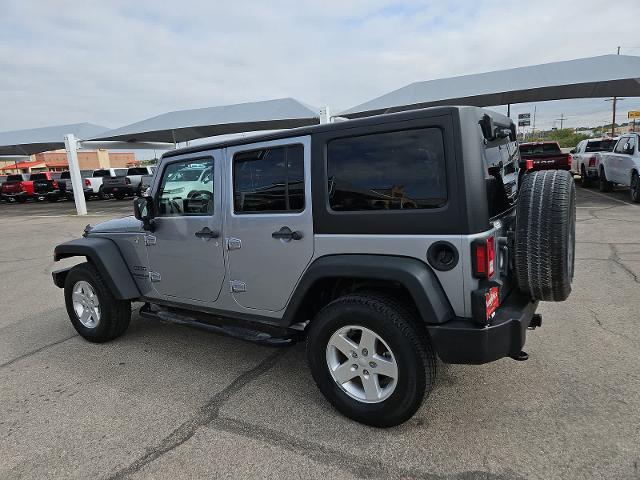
column 206, row 232
column 285, row 233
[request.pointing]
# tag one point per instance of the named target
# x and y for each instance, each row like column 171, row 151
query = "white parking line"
column 608, row 197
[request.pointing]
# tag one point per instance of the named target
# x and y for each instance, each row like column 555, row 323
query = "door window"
column 186, row 189
column 269, row 180
column 620, row 145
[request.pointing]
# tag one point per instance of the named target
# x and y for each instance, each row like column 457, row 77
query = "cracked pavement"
column 165, row 401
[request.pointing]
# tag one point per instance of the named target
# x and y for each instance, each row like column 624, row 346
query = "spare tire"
column 545, row 234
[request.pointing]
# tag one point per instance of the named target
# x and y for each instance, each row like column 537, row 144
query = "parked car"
column 586, row 158
column 358, row 236
column 93, row 186
column 129, row 185
column 65, row 178
column 17, row 188
column 622, row 166
column 46, row 187
column 3, row 178
column 544, row 156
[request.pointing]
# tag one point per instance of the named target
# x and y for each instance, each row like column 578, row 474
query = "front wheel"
column 94, row 312
column 371, row 358
column 635, row 187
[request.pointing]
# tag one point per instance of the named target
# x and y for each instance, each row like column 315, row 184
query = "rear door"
column 614, row 164
column 185, row 250
column 269, row 223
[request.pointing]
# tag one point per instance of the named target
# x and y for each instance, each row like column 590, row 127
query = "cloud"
column 113, row 63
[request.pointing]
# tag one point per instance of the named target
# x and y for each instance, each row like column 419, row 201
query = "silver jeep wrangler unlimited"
column 384, row 242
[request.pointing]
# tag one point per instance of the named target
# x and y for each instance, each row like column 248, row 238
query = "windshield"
column 539, row 148
column 101, row 173
column 137, row 171
column 501, row 175
column 600, row 145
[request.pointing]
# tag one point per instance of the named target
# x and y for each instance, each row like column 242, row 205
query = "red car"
column 543, row 156
column 17, row 188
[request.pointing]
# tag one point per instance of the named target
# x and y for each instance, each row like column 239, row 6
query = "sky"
column 117, row 62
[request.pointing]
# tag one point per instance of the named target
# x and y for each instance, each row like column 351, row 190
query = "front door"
column 185, row 250
column 269, row 222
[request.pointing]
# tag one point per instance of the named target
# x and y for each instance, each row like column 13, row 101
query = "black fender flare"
column 416, row 276
column 105, row 255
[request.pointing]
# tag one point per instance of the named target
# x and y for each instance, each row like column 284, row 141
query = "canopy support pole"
column 325, row 115
column 71, row 145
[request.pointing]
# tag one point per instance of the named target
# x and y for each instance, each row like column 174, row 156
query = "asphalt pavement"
column 165, row 401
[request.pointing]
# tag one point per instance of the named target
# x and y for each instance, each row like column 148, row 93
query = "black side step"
column 249, row 331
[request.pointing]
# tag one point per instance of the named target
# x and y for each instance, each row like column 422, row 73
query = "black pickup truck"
column 46, row 187
column 133, row 184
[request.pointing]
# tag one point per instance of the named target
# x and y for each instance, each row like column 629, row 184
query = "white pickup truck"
column 622, row 166
column 586, row 158
column 93, row 185
column 129, row 185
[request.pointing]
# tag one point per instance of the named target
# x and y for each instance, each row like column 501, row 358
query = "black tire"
column 399, row 327
column 53, row 198
column 115, row 314
column 102, row 195
column 545, row 235
column 586, row 182
column 604, row 185
column 119, row 196
column 635, row 187
column 21, row 199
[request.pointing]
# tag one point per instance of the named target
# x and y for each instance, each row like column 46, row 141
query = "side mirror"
column 572, row 151
column 143, row 210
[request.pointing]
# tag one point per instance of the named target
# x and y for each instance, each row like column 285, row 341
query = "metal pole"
column 325, row 115
column 71, row 145
column 615, row 100
column 508, row 109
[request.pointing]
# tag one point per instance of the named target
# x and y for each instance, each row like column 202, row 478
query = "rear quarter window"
column 399, row 170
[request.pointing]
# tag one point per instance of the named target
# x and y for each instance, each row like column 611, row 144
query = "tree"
column 566, row 137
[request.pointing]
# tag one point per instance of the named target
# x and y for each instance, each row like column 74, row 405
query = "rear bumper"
column 593, row 172
column 14, row 196
column 463, row 341
column 127, row 190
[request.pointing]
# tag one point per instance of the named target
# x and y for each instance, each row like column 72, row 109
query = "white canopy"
column 36, row 140
column 603, row 76
column 185, row 125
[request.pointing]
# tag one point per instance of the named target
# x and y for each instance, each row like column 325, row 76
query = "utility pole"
column 615, row 100
column 562, row 119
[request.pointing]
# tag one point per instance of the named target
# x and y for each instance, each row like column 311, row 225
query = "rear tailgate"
column 11, row 187
column 114, row 183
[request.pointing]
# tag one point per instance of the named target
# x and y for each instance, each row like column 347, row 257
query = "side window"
column 620, row 145
column 186, row 189
column 269, row 180
column 632, row 144
column 387, row 171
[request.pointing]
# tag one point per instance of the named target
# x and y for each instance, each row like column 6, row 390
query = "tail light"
column 87, row 183
column 528, row 164
column 22, row 186
column 592, row 161
column 483, row 256
column 55, row 184
column 569, row 159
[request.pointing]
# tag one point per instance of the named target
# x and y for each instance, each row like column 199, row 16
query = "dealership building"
column 56, row 161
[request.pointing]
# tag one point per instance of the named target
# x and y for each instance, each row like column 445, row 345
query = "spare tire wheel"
column 545, row 235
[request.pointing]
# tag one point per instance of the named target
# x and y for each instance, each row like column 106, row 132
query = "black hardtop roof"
column 340, row 125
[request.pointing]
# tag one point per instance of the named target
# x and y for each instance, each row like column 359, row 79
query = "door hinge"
column 150, row 240
column 154, row 276
column 238, row 286
column 234, row 243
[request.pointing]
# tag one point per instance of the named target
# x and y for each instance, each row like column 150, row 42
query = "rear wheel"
column 586, row 181
column 371, row 358
column 635, row 187
column 604, row 185
column 53, row 198
column 545, row 235
column 21, row 199
column 119, row 196
column 102, row 195
column 94, row 312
